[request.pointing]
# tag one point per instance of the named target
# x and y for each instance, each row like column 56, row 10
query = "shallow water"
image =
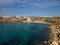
column 23, row 34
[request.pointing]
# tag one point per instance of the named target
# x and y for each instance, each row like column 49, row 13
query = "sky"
column 30, row 7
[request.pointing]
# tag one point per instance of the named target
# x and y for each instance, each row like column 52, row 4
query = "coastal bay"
column 23, row 34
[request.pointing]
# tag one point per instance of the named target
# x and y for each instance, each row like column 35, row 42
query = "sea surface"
column 23, row 34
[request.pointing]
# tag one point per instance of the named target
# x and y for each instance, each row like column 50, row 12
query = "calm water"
column 23, row 34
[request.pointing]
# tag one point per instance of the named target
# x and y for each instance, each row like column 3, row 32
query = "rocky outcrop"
column 54, row 35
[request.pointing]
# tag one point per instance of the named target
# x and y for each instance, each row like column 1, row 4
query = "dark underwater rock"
column 14, row 41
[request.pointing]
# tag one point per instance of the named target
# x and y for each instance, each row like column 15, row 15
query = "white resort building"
column 29, row 20
column 18, row 16
column 6, row 16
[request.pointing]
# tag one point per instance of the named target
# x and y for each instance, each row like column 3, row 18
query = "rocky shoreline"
column 54, row 35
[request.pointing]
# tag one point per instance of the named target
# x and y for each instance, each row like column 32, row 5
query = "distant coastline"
column 24, row 19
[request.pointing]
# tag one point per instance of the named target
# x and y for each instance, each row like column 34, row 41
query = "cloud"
column 5, row 2
column 44, row 3
column 33, row 3
column 22, row 1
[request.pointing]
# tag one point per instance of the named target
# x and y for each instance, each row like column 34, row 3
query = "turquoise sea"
column 23, row 34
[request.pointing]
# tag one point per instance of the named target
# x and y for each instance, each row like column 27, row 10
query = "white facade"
column 25, row 16
column 29, row 20
column 18, row 16
column 6, row 16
